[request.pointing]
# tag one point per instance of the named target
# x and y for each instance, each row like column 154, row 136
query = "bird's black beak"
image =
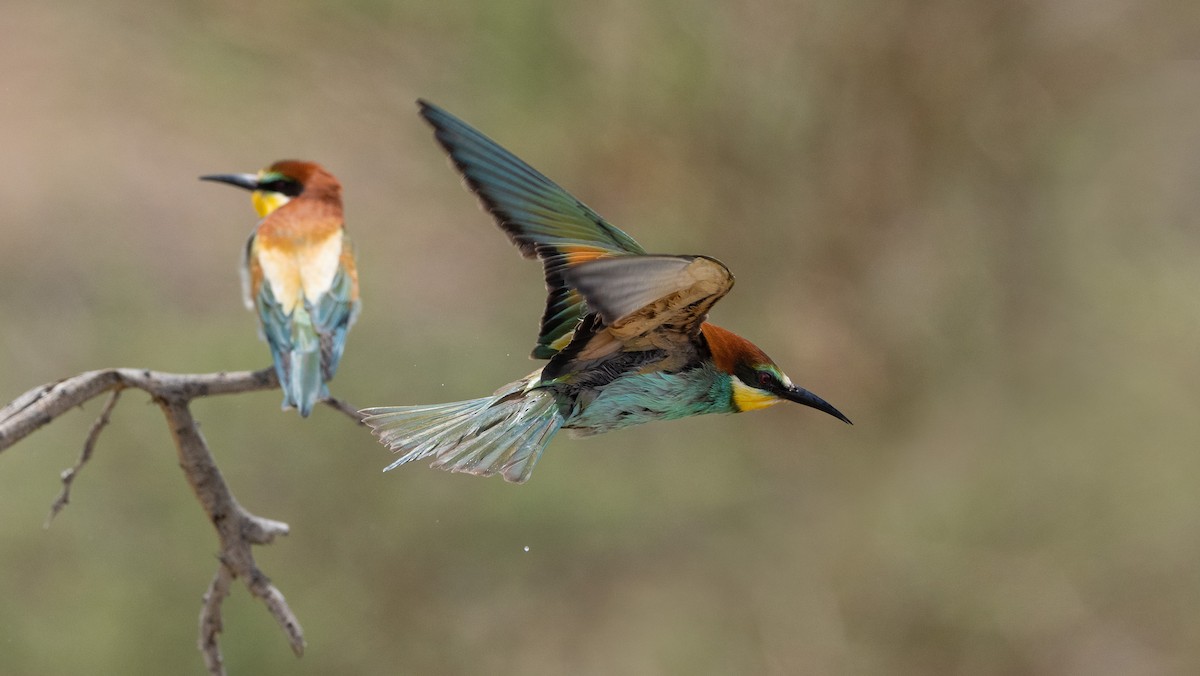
column 247, row 181
column 803, row 396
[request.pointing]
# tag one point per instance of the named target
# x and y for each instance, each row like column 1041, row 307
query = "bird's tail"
column 501, row 434
column 303, row 384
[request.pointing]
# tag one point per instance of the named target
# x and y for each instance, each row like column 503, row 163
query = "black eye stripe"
column 282, row 186
column 759, row 378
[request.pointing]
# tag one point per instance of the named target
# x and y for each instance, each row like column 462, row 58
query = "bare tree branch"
column 210, row 620
column 348, row 409
column 237, row 529
column 89, row 445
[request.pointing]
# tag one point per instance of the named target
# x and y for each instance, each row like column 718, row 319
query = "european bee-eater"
column 298, row 273
column 624, row 331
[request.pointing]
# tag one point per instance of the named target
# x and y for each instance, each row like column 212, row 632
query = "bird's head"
column 756, row 381
column 276, row 185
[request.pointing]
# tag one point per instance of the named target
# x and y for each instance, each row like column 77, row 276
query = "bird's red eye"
column 765, row 379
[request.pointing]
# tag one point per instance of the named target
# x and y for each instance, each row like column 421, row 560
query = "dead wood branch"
column 89, row 446
column 237, row 529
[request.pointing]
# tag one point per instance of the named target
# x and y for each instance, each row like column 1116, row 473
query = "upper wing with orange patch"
column 541, row 218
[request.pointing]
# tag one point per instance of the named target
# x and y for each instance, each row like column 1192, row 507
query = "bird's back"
column 304, row 286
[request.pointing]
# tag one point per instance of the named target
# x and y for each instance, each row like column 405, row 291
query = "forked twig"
column 210, row 620
column 89, row 445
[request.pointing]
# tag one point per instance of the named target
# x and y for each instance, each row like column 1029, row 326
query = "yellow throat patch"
column 746, row 398
column 266, row 202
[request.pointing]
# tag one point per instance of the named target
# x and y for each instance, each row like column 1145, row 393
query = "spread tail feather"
column 501, row 434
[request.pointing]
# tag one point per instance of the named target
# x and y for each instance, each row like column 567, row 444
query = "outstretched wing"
column 643, row 303
column 542, row 219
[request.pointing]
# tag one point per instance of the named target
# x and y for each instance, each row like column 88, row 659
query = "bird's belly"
column 640, row 398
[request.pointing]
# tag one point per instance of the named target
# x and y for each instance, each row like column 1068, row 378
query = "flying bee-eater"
column 625, row 332
column 299, row 274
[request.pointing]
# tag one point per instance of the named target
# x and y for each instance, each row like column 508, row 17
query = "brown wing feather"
column 649, row 302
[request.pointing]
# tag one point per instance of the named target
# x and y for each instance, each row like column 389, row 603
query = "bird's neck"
column 303, row 218
column 728, row 348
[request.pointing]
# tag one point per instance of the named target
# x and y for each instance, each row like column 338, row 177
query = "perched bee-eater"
column 298, row 273
column 624, row 332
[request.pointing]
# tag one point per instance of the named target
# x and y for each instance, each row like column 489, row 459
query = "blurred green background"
column 969, row 225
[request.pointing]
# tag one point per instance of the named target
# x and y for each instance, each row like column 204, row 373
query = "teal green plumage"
column 645, row 397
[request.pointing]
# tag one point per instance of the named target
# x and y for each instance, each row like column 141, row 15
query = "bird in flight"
column 299, row 274
column 625, row 332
